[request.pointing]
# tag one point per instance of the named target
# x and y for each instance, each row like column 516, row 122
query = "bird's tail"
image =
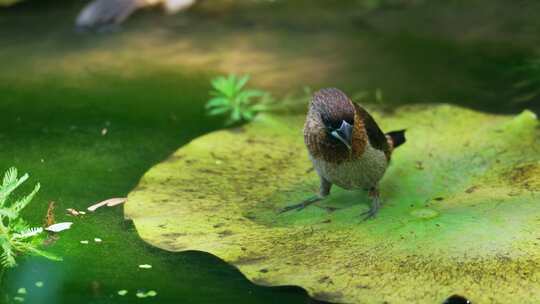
column 397, row 138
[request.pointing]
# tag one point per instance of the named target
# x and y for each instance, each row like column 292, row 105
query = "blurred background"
column 87, row 109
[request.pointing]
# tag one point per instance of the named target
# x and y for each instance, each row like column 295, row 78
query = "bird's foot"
column 302, row 205
column 375, row 205
column 369, row 214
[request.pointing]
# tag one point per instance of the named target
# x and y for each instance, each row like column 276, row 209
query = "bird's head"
column 332, row 128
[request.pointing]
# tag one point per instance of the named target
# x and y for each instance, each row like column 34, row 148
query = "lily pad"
column 460, row 215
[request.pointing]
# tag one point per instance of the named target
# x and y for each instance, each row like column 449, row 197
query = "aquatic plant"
column 528, row 87
column 375, row 97
column 16, row 236
column 230, row 97
column 295, row 102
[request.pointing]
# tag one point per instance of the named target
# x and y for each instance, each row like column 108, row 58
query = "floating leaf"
column 460, row 214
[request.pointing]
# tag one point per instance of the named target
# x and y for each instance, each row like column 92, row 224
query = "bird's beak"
column 344, row 134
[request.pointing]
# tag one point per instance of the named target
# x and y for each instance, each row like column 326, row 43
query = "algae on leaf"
column 460, row 215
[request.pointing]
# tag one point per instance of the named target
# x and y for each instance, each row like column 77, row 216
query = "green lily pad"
column 460, row 215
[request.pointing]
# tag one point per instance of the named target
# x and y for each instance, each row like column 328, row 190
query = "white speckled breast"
column 363, row 173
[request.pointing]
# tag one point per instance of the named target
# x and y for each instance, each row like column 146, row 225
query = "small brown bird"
column 346, row 146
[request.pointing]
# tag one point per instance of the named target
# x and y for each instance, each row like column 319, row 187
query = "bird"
column 103, row 13
column 346, row 147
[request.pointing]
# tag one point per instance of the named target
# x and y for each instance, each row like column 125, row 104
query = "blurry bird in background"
column 100, row 14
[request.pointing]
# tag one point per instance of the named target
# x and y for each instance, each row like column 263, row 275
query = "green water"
column 146, row 85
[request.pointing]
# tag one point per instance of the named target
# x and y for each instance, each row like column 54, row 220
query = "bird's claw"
column 298, row 207
column 375, row 205
column 369, row 214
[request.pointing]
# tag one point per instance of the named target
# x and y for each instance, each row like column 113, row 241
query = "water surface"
column 86, row 114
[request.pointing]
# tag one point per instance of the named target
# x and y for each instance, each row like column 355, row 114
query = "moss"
column 460, row 223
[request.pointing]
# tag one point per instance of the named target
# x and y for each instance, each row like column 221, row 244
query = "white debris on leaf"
column 145, row 266
column 98, row 240
column 84, row 242
column 59, row 227
column 39, row 284
column 21, row 290
column 109, row 203
column 142, row 294
column 73, row 212
column 122, row 292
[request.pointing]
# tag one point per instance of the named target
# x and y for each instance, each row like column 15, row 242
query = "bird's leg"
column 324, row 191
column 375, row 204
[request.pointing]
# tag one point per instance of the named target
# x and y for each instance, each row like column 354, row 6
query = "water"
column 145, row 85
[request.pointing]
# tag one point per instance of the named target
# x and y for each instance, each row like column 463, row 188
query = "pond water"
column 86, row 114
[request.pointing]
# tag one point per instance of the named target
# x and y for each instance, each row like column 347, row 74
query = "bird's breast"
column 363, row 172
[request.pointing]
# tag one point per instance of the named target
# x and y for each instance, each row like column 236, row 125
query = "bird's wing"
column 376, row 137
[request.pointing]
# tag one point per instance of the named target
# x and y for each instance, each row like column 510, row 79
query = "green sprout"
column 375, row 97
column 231, row 98
column 16, row 236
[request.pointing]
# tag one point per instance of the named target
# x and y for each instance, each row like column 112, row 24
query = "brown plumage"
column 346, row 146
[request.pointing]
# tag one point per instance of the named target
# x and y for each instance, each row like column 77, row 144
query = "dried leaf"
column 49, row 217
